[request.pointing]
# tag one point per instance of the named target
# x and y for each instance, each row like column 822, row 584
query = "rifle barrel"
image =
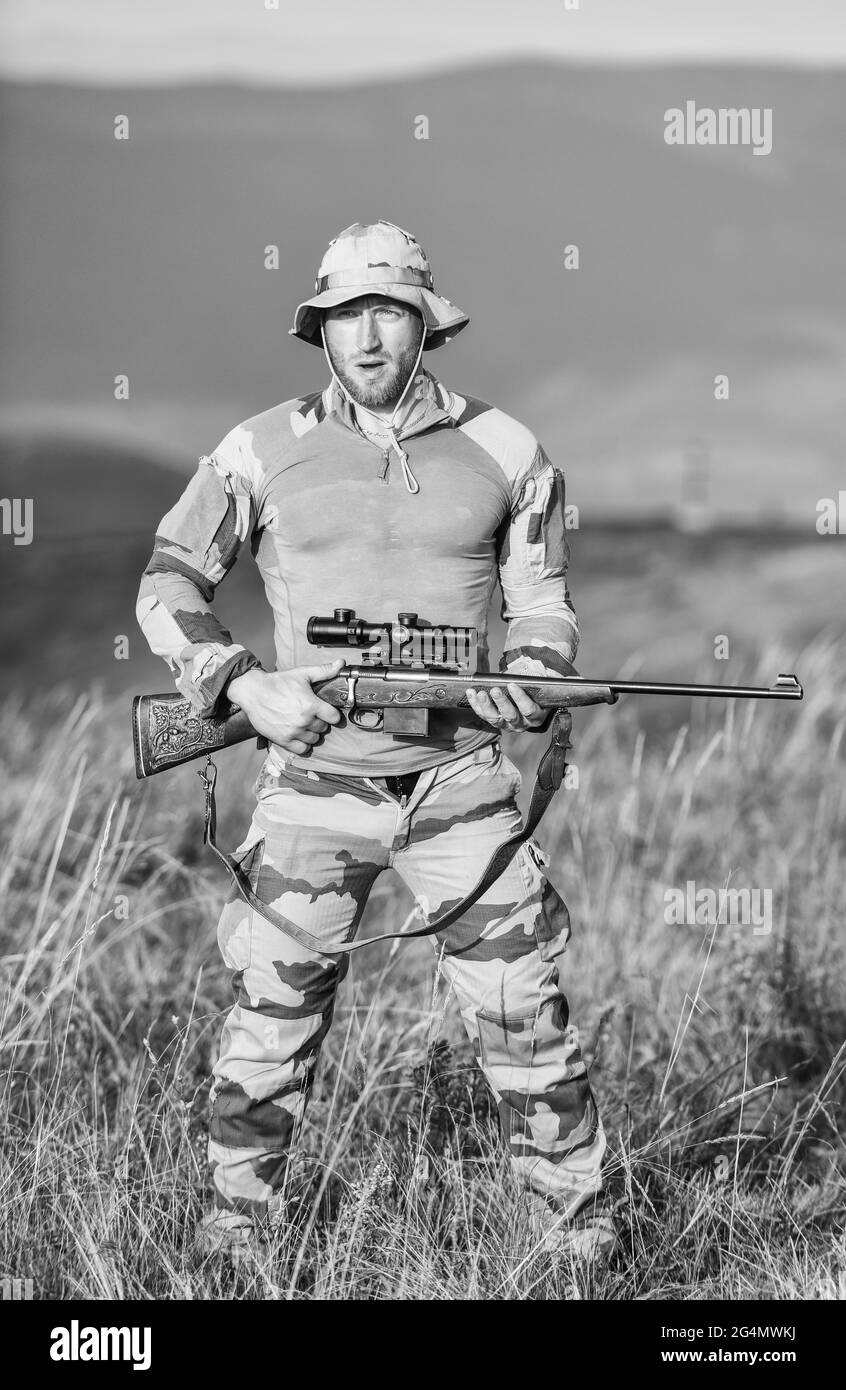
column 785, row 688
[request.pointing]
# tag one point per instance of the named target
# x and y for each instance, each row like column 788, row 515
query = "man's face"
column 373, row 344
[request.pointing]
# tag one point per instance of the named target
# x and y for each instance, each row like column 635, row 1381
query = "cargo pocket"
column 510, row 1045
column 552, row 919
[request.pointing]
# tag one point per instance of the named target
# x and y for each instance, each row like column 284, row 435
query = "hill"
column 146, row 257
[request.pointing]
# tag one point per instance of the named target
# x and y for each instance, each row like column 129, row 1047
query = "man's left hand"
column 507, row 707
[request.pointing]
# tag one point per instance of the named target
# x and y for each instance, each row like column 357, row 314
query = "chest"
column 344, row 494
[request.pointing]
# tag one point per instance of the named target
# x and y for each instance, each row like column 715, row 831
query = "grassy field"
column 718, row 1055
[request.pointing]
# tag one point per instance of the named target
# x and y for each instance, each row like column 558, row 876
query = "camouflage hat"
column 378, row 258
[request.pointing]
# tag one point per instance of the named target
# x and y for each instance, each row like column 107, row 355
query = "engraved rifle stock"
column 167, row 731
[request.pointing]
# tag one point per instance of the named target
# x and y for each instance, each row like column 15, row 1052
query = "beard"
column 374, row 395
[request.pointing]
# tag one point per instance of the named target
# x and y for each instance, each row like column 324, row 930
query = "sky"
column 313, row 42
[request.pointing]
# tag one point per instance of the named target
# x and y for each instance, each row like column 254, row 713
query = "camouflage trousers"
column 316, row 845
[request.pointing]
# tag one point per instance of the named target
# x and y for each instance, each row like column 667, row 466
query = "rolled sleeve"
column 542, row 634
column 196, row 544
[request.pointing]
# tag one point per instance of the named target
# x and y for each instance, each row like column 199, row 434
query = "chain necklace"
column 379, row 434
column 383, row 433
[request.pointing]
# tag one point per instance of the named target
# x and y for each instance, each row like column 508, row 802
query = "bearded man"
column 389, row 492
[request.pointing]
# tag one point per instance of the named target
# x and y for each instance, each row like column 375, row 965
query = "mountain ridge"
column 147, row 259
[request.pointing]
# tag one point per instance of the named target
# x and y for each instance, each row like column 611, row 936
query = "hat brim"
column 443, row 321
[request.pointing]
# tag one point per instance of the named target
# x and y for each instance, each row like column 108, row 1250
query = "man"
column 385, row 492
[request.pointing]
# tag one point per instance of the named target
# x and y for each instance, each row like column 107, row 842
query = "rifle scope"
column 346, row 630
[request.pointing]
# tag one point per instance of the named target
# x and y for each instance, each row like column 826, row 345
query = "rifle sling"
column 547, row 781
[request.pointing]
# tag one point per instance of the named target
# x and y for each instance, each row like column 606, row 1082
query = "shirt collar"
column 427, row 404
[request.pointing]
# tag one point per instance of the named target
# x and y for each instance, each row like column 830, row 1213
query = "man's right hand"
column 282, row 707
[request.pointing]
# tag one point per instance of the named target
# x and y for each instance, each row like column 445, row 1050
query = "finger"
column 485, row 707
column 324, row 672
column 296, row 745
column 323, row 710
column 483, row 698
column 524, row 702
column 474, row 700
column 504, row 706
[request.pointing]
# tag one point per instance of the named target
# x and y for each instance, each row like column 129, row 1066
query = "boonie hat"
column 378, row 258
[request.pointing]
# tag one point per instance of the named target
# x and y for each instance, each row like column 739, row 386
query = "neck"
column 378, row 412
column 376, row 415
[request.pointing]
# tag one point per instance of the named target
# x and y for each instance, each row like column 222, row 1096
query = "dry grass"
column 718, row 1059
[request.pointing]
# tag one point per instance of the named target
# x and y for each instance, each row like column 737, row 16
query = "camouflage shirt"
column 332, row 522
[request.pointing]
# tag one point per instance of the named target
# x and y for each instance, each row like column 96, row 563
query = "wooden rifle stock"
column 167, row 731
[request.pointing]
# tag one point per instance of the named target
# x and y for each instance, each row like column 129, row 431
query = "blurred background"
column 276, row 125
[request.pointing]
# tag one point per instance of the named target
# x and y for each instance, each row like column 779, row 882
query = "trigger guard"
column 366, row 718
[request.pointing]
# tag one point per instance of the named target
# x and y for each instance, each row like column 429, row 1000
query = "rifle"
column 408, row 669
column 427, row 669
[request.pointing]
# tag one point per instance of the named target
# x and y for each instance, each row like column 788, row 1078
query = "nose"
column 368, row 334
